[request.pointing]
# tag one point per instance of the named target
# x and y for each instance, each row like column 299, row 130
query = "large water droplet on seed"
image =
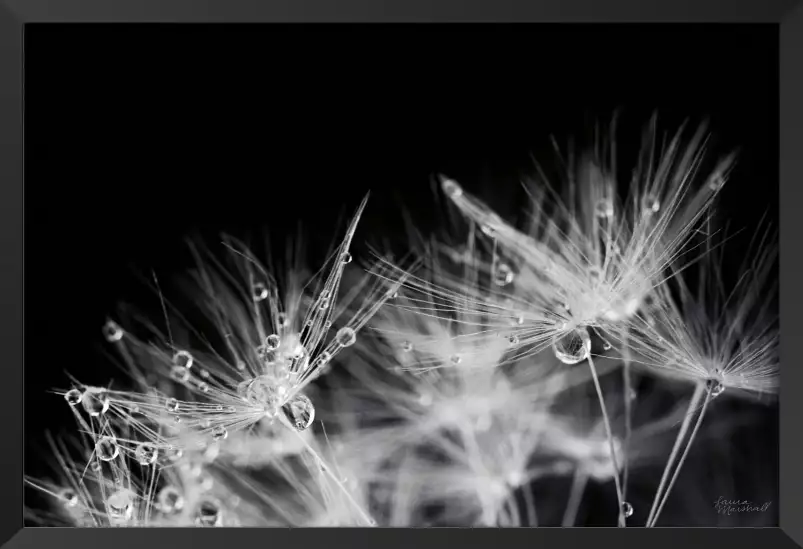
column 300, row 412
column 715, row 387
column 183, row 359
column 345, row 258
column 573, row 347
column 95, row 402
column 106, row 448
column 272, row 342
column 73, row 397
column 219, row 433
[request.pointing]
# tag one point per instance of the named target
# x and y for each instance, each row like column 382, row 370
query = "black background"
column 136, row 135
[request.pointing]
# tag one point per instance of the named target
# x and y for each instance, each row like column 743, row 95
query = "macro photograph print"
column 401, row 275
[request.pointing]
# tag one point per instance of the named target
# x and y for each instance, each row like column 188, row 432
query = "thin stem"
column 693, row 403
column 683, row 457
column 609, row 433
column 628, row 383
column 575, row 497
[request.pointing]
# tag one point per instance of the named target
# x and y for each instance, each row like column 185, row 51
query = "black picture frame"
column 15, row 14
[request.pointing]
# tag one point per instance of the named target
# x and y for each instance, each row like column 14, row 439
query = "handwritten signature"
column 730, row 506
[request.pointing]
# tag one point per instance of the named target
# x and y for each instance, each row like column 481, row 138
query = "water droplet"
column 183, row 359
column 451, row 188
column 146, row 454
column 177, row 419
column 259, row 292
column 573, row 347
column 455, row 359
column 604, row 209
column 715, row 387
column 323, row 303
column 650, row 204
column 231, row 409
column 282, row 320
column 173, row 453
column 345, row 258
column 120, row 505
column 595, row 274
column 112, row 331
column 172, row 405
column 425, row 399
column 627, row 509
column 106, row 448
column 219, row 433
column 300, row 412
column 513, row 339
column 95, row 402
column 206, row 482
column 632, row 394
column 345, row 337
column 716, row 182
column 241, row 365
column 208, row 513
column 407, row 346
column 69, row 497
column 203, row 387
column 272, row 342
column 261, row 392
column 96, row 466
column 503, row 274
column 607, row 346
column 170, row 500
column 488, row 230
column 180, row 374
column 73, row 397
column 204, row 374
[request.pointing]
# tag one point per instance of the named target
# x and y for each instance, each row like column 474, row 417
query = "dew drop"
column 170, row 500
column 106, row 448
column 346, row 337
column 95, row 402
column 627, row 509
column 573, row 347
column 112, row 331
column 451, row 188
column 211, row 451
column 203, row 387
column 632, row 394
column 172, row 405
column 180, row 374
column 205, row 423
column 241, row 365
column 259, row 292
column 455, row 359
column 96, row 466
column 272, row 342
column 208, row 513
column 68, row 497
column 323, row 303
column 204, row 374
column 607, row 346
column 282, row 320
column 345, row 258
column 73, row 397
column 407, row 346
column 219, row 433
column 173, row 453
column 300, row 412
column 120, row 505
column 183, row 359
column 650, row 204
column 716, row 182
column 514, row 339
column 715, row 387
column 503, row 274
column 146, row 454
column 604, row 209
